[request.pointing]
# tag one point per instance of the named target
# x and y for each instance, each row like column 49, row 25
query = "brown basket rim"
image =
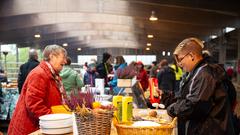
column 164, row 126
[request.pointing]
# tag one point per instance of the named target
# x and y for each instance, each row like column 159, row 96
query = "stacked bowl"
column 56, row 123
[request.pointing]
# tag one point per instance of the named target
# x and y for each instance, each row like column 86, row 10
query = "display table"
column 113, row 132
column 9, row 98
column 113, row 129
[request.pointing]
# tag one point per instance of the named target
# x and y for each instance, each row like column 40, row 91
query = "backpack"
column 232, row 94
column 233, row 101
column 227, row 84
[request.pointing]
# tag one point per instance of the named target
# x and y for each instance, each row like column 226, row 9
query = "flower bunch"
column 82, row 103
column 79, row 99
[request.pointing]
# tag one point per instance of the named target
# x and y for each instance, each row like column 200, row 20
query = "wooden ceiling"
column 114, row 23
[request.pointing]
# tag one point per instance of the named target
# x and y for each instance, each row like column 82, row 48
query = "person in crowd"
column 105, row 68
column 178, row 76
column 1, row 95
column 90, row 75
column 93, row 61
column 85, row 66
column 70, row 78
column 142, row 75
column 230, row 72
column 3, row 76
column 119, row 64
column 207, row 56
column 153, row 70
column 203, row 105
column 166, row 82
column 84, row 69
column 41, row 90
column 25, row 68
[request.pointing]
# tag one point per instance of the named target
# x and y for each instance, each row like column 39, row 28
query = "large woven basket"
column 141, row 130
column 98, row 124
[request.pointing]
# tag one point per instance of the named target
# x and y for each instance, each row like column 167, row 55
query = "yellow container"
column 127, row 109
column 60, row 109
column 117, row 102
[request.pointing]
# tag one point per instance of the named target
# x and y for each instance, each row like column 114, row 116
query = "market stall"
column 9, row 100
column 137, row 113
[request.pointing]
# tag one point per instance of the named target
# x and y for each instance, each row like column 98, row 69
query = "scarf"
column 58, row 81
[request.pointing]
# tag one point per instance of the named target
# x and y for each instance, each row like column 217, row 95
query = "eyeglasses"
column 179, row 60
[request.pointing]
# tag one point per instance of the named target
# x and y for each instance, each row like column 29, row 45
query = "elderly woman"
column 41, row 90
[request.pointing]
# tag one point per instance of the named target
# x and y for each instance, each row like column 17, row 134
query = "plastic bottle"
column 127, row 109
column 117, row 102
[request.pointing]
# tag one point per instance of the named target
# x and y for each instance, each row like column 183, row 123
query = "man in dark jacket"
column 166, row 82
column 203, row 105
column 105, row 68
column 27, row 67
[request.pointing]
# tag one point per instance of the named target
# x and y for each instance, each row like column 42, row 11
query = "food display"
column 154, row 115
column 148, row 121
column 144, row 123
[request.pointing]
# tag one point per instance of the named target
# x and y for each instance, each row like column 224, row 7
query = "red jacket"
column 143, row 78
column 39, row 93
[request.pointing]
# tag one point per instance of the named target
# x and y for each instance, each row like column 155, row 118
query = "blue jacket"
column 89, row 77
column 113, row 82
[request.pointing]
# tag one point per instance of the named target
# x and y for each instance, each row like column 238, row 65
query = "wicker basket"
column 98, row 124
column 154, row 130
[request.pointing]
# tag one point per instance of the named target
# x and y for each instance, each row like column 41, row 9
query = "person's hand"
column 109, row 84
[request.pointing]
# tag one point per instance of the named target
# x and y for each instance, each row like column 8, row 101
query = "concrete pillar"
column 17, row 56
column 222, row 48
column 1, row 53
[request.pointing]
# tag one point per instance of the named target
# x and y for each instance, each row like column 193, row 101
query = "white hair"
column 53, row 49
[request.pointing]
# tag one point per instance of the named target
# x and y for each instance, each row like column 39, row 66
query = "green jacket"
column 71, row 79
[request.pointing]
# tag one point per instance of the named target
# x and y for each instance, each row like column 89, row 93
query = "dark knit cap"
column 106, row 56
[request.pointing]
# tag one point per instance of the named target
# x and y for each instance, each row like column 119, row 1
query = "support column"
column 17, row 56
column 222, row 48
column 1, row 54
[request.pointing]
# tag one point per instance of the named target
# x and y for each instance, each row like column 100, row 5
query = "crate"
column 124, row 83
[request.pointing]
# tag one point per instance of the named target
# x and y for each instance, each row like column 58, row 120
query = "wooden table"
column 38, row 132
column 113, row 129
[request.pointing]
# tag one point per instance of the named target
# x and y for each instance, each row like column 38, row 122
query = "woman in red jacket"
column 142, row 75
column 41, row 90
